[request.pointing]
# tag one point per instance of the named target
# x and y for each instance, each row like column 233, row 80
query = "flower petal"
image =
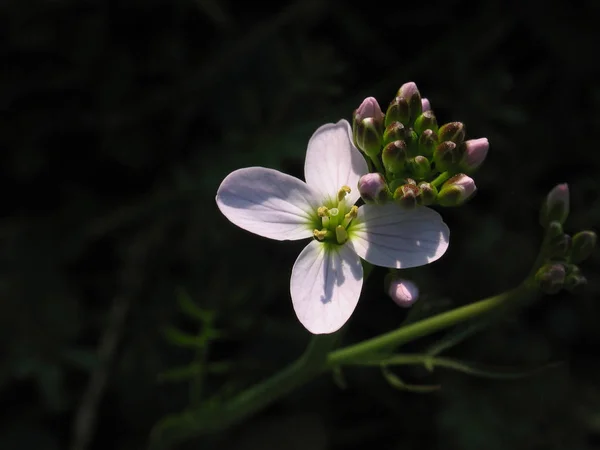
column 332, row 161
column 268, row 203
column 325, row 286
column 391, row 236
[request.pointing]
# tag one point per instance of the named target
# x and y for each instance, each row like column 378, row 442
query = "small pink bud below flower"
column 474, row 152
column 373, row 188
column 404, row 292
column 456, row 190
column 556, row 206
column 425, row 104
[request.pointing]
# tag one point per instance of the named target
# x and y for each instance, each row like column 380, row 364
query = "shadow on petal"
column 390, row 236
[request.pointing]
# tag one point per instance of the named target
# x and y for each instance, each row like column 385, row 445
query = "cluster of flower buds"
column 562, row 252
column 421, row 162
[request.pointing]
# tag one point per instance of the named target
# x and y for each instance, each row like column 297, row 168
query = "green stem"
column 309, row 365
column 542, row 253
column 377, row 164
column 428, row 326
column 318, row 358
column 441, row 179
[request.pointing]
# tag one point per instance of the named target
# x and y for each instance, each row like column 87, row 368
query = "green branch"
column 388, row 341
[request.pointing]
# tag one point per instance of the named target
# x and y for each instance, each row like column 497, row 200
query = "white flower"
column 327, row 277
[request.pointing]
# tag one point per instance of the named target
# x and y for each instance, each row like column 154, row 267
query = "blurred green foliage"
column 126, row 295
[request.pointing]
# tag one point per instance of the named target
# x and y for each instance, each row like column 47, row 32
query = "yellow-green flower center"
column 333, row 220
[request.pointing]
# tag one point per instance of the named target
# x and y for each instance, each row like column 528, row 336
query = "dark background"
column 118, row 119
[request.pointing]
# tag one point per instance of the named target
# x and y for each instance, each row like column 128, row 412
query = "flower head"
column 327, row 276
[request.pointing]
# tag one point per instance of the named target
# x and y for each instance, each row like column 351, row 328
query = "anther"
column 344, row 190
column 320, row 234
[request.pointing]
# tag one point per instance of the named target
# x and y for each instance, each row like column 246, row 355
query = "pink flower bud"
column 456, row 190
column 373, row 188
column 367, row 126
column 408, row 90
column 403, row 292
column 556, row 206
column 425, row 105
column 474, row 152
column 369, row 108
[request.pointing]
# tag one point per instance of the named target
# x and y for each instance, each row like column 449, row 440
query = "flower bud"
column 403, row 292
column 575, row 282
column 473, row 153
column 445, row 156
column 394, row 156
column 412, row 142
column 373, row 188
column 369, row 108
column 398, row 111
column 555, row 206
column 406, row 195
column 426, row 121
column 420, row 167
column 411, row 93
column 453, row 131
column 555, row 229
column 456, row 190
column 551, row 278
column 583, row 246
column 367, row 126
column 427, row 143
column 425, row 105
column 427, row 194
column 369, row 136
column 393, row 132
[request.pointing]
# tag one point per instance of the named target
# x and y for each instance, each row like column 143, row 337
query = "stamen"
column 341, row 234
column 351, row 215
column 322, row 211
column 344, row 190
column 320, row 234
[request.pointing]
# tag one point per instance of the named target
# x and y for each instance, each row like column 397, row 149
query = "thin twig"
column 84, row 423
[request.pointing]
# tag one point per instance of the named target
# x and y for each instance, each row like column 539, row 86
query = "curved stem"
column 409, row 333
column 318, row 358
column 378, row 166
